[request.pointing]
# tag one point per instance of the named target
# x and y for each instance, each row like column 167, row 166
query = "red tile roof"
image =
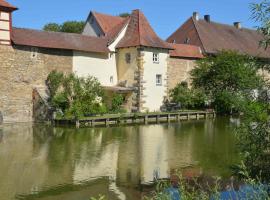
column 140, row 33
column 107, row 22
column 185, row 51
column 115, row 31
column 54, row 40
column 6, row 5
column 214, row 37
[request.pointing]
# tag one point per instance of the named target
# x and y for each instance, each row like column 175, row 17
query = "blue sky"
column 165, row 16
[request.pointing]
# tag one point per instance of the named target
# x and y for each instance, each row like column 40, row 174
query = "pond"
column 47, row 163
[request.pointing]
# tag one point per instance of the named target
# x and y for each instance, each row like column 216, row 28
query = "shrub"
column 226, row 77
column 74, row 96
column 117, row 102
column 188, row 98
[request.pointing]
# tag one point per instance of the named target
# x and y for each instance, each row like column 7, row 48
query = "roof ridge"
column 198, row 32
column 59, row 33
column 229, row 25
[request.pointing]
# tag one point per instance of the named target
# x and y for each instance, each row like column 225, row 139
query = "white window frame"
column 158, row 79
column 156, row 58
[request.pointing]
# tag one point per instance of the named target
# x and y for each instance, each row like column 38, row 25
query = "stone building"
column 125, row 54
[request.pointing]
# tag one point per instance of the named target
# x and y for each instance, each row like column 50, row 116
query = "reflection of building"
column 154, row 153
column 42, row 160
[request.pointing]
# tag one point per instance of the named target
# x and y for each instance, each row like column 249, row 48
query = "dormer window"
column 155, row 58
column 187, row 40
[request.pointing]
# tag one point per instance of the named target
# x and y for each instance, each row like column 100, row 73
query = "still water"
column 47, row 163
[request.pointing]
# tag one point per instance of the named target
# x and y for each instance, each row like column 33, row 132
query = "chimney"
column 207, row 18
column 237, row 25
column 196, row 16
column 6, row 22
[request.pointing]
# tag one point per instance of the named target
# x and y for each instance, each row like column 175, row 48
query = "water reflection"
column 43, row 162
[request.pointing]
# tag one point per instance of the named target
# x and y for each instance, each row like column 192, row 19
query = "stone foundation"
column 22, row 69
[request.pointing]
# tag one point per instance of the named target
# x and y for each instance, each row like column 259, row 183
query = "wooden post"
column 146, row 119
column 77, row 124
column 188, row 117
column 93, row 123
column 107, row 122
column 157, row 119
column 168, row 118
column 197, row 116
column 178, row 117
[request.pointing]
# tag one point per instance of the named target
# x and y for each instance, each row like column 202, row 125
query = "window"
column 159, row 79
column 155, row 58
column 111, row 79
column 187, row 40
column 128, row 57
column 34, row 52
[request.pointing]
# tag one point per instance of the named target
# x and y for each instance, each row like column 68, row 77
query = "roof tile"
column 55, row 40
column 185, row 51
column 7, row 5
column 140, row 33
column 107, row 22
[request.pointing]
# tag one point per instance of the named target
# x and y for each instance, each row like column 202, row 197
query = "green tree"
column 72, row 27
column 126, row 14
column 52, row 27
column 74, row 96
column 67, row 27
column 261, row 14
column 227, row 78
column 189, row 98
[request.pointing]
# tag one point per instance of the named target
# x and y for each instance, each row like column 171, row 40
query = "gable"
column 186, row 31
column 92, row 28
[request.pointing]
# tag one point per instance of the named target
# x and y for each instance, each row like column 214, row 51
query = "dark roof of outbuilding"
column 6, row 5
column 215, row 37
column 140, row 33
column 55, row 40
column 185, row 51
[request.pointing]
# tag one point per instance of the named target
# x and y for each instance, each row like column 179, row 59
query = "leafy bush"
column 227, row 77
column 74, row 96
column 117, row 102
column 188, row 98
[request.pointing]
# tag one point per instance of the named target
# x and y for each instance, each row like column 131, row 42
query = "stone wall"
column 178, row 71
column 22, row 69
column 130, row 73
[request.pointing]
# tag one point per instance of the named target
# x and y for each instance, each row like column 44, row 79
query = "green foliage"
column 74, row 96
column 100, row 197
column 227, row 78
column 206, row 191
column 72, row 27
column 67, row 27
column 261, row 14
column 117, row 102
column 124, row 14
column 188, row 98
column 52, row 27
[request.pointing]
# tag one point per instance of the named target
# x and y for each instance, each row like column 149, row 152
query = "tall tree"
column 67, row 27
column 124, row 14
column 261, row 14
column 227, row 78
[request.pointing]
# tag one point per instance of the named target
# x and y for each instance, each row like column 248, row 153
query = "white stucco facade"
column 153, row 94
column 100, row 65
